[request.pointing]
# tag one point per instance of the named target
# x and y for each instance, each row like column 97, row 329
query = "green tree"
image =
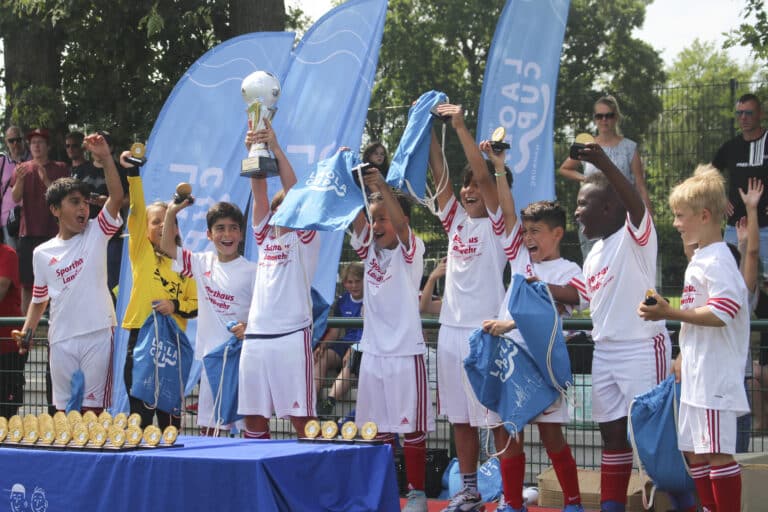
column 754, row 36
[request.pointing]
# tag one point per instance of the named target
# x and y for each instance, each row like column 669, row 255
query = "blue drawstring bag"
column 161, row 363
column 652, row 426
column 506, row 380
column 222, row 367
column 320, row 311
column 75, row 402
column 488, row 479
column 535, row 314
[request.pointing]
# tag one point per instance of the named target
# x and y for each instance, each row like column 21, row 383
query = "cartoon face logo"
column 39, row 501
column 18, row 498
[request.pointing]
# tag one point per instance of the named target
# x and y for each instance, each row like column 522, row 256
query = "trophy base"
column 259, row 167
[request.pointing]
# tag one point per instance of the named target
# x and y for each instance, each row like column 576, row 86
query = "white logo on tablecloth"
column 18, row 499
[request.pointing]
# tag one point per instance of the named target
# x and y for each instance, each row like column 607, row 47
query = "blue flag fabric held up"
column 540, row 325
column 506, row 380
column 519, row 91
column 222, row 367
column 161, row 363
column 326, row 200
column 411, row 157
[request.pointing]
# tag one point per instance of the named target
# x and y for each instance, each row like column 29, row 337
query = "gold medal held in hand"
column 369, row 431
column 497, row 140
column 330, row 429
column 170, row 434
column 579, row 143
column 349, row 430
column 312, row 429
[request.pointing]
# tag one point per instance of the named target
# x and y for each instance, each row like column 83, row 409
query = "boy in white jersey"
column 713, row 341
column 533, row 243
column 392, row 342
column 276, row 359
column 473, row 293
column 631, row 356
column 71, row 273
column 224, row 289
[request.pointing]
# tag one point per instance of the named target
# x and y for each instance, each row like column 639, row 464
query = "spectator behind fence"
column 37, row 222
column 17, row 153
column 376, row 154
column 11, row 362
column 620, row 150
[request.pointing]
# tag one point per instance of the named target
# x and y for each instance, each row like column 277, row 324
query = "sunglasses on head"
column 14, row 140
column 747, row 113
column 607, row 115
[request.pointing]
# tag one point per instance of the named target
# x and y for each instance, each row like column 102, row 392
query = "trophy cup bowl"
column 260, row 91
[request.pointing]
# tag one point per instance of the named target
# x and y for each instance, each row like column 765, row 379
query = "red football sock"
column 415, row 453
column 567, row 475
column 726, row 486
column 512, row 477
column 700, row 475
column 256, row 435
column 615, row 470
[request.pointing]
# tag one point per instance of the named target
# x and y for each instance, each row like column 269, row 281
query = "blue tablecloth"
column 218, row 474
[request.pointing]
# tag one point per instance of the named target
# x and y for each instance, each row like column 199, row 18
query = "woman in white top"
column 622, row 152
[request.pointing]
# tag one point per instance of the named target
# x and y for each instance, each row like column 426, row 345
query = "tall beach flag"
column 519, row 91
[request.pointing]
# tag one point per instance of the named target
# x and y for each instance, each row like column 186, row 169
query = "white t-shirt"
column 391, row 325
column 73, row 275
column 713, row 357
column 618, row 271
column 282, row 292
column 476, row 260
column 224, row 292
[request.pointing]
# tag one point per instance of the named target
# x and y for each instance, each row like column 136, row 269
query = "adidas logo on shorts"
column 405, row 421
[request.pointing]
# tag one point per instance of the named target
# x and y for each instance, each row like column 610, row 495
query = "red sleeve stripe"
column 186, row 263
column 498, row 224
column 514, row 247
column 106, row 227
column 411, row 251
column 643, row 238
column 306, row 236
column 450, row 216
column 578, row 284
column 261, row 235
column 39, row 291
column 362, row 251
column 725, row 305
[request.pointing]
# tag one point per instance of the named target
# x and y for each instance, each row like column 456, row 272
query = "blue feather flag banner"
column 506, row 380
column 411, row 157
column 540, row 325
column 327, row 200
column 519, row 92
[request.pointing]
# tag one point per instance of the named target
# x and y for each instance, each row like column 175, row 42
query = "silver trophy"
column 260, row 91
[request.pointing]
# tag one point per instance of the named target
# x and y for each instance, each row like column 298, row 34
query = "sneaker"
column 466, row 500
column 503, row 506
column 574, row 508
column 417, row 501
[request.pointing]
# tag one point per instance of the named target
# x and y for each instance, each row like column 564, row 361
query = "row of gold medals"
column 84, row 431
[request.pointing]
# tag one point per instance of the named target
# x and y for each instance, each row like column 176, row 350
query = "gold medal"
column 90, row 419
column 138, row 150
column 349, row 430
column 80, row 435
column 584, row 138
column 121, row 420
column 170, row 434
column 134, row 420
column 105, row 420
column 59, row 416
column 330, row 429
column 63, row 437
column 312, row 429
column 74, row 417
column 3, row 428
column 498, row 134
column 47, row 429
column 116, row 436
column 97, row 436
column 15, row 429
column 152, row 435
column 133, row 436
column 369, row 431
column 31, row 429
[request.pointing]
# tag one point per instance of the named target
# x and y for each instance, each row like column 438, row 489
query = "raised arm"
column 426, row 303
column 504, row 193
column 168, row 241
column 260, row 208
column 474, row 156
column 375, row 181
column 98, row 147
column 437, row 167
column 628, row 194
column 750, row 258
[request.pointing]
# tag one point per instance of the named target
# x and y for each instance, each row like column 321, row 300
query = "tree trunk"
column 256, row 16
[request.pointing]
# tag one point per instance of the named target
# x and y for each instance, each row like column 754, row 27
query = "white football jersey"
column 282, row 300
column 476, row 260
column 224, row 292
column 617, row 272
column 713, row 357
column 391, row 324
column 73, row 275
